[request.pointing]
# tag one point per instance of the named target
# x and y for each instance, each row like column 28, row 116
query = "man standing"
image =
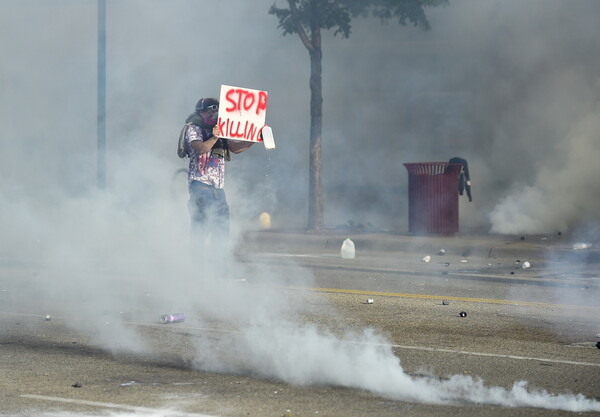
column 208, row 152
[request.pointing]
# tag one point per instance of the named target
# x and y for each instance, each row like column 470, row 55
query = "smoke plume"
column 510, row 86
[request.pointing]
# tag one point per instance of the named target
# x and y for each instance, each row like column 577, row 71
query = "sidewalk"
column 520, row 246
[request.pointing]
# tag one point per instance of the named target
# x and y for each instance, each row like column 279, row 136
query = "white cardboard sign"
column 242, row 113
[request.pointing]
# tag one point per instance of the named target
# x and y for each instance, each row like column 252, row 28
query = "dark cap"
column 204, row 103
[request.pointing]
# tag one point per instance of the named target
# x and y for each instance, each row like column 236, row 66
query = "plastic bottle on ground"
column 348, row 250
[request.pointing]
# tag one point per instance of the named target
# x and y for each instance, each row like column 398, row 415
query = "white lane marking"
column 430, row 349
column 495, row 355
column 154, row 411
column 422, row 348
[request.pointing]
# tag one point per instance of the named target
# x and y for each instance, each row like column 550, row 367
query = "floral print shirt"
column 204, row 167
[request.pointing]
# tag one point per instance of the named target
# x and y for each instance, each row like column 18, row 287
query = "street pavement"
column 538, row 324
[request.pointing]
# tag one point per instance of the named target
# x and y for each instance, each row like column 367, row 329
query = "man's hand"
column 216, row 132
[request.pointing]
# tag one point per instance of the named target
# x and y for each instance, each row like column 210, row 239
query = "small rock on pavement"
column 445, row 302
column 427, row 258
column 77, row 385
column 598, row 345
column 463, row 314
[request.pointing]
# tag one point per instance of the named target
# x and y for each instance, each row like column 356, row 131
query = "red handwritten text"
column 245, row 100
column 239, row 130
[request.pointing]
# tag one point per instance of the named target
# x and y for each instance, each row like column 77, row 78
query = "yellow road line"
column 440, row 297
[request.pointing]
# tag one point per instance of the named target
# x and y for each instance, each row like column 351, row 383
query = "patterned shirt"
column 204, row 167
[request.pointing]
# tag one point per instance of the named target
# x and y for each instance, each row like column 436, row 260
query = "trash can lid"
column 432, row 168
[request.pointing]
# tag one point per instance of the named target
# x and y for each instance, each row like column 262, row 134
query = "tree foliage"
column 338, row 14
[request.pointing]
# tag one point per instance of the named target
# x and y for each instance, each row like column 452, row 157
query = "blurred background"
column 511, row 86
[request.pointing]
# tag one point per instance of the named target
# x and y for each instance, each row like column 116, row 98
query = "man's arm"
column 201, row 146
column 238, row 146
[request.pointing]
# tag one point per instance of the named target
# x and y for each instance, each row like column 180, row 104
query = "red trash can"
column 433, row 197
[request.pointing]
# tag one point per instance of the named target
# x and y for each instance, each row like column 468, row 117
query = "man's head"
column 208, row 109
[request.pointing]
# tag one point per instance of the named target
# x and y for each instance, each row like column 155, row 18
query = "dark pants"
column 209, row 213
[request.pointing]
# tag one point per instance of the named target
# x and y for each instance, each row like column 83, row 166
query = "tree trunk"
column 315, row 195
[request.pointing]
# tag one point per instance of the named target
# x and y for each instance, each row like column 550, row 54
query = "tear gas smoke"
column 308, row 355
column 523, row 113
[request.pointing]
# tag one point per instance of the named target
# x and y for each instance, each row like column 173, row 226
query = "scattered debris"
column 526, row 265
column 369, row 301
column 288, row 413
column 444, row 272
column 427, row 258
column 581, row 246
column 464, row 261
column 77, row 385
column 348, row 251
column 128, row 384
column 598, row 345
column 442, row 252
column 445, row 302
column 512, row 272
column 172, row 318
column 446, row 263
column 463, row 314
column 48, row 317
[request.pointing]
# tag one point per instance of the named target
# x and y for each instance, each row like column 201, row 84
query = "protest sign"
column 242, row 113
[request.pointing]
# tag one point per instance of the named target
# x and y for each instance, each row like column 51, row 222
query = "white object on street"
column 348, row 250
column 581, row 246
column 369, row 301
column 526, row 265
column 442, row 251
column 427, row 258
column 267, row 135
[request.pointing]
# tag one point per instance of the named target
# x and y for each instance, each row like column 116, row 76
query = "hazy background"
column 511, row 86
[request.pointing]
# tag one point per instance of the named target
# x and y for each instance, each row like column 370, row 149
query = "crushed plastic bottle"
column 581, row 246
column 348, row 251
column 172, row 318
column 526, row 265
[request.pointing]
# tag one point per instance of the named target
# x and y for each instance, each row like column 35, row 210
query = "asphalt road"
column 294, row 341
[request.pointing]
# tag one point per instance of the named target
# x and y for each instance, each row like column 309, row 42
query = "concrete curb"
column 483, row 245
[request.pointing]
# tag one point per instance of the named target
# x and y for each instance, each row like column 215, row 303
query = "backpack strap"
column 182, row 149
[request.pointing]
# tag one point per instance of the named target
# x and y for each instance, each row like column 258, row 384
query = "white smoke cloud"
column 564, row 192
column 126, row 248
column 306, row 354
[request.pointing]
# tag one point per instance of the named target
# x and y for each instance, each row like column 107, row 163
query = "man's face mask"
column 211, row 115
